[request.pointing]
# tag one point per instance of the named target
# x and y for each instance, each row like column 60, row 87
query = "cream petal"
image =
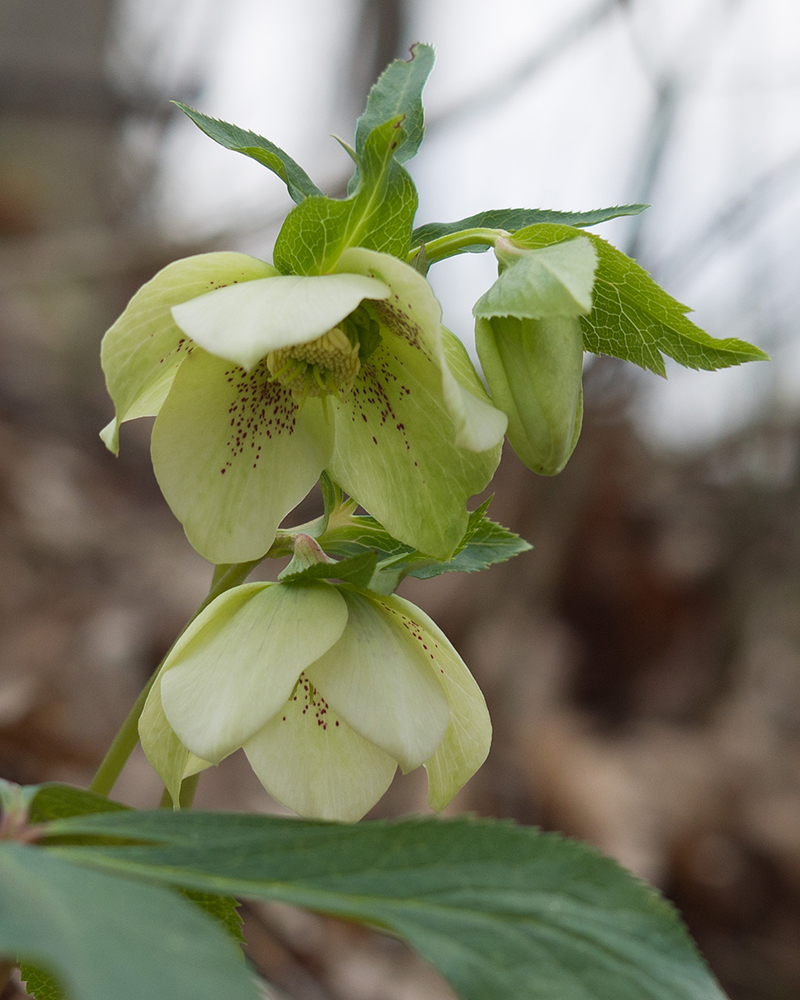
column 239, row 661
column 233, row 455
column 311, row 761
column 466, row 743
column 378, row 678
column 243, row 323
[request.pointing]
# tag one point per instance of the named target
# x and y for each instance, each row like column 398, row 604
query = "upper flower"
column 260, row 381
column 327, row 688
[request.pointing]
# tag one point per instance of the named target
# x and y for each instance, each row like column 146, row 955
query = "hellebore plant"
column 332, row 365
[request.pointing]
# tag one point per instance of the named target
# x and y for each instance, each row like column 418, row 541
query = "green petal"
column 394, row 451
column 378, row 678
column 238, row 662
column 233, row 455
column 243, row 323
column 144, row 348
column 479, row 425
column 168, row 757
column 311, row 761
column 552, row 281
column 469, row 735
column 413, row 313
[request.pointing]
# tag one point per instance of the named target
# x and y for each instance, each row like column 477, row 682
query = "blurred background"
column 642, row 664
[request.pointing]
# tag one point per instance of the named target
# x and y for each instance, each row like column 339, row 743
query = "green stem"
column 225, row 577
column 447, row 246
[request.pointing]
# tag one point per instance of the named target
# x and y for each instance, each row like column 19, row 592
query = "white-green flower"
column 260, row 381
column 327, row 688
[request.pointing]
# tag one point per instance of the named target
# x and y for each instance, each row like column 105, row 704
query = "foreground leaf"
column 297, row 181
column 101, row 936
column 635, row 319
column 504, row 912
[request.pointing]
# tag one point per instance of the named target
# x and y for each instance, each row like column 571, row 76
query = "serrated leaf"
column 504, row 912
column 490, row 543
column 357, row 571
column 224, row 909
column 398, row 91
column 40, row 984
column 360, row 535
column 378, row 216
column 55, row 801
column 298, row 183
column 635, row 319
column 102, row 936
column 512, row 219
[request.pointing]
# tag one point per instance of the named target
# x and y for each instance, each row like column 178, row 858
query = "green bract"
column 327, row 688
column 260, row 381
column 530, row 344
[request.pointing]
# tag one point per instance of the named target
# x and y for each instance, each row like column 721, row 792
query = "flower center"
column 327, row 365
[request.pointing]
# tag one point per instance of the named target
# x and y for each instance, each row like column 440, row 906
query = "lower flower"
column 326, row 688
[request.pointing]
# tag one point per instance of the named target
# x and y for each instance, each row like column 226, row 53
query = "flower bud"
column 533, row 367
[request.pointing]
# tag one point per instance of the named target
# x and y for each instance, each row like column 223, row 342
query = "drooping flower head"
column 325, row 713
column 260, row 381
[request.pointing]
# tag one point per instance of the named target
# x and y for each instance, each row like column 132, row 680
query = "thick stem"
column 446, row 246
column 225, row 577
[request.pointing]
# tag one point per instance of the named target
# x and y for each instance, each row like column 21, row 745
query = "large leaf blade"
column 502, row 911
column 104, row 936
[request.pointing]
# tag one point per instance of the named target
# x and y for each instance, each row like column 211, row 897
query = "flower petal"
column 144, row 348
column 394, row 450
column 316, row 765
column 238, row 662
column 469, row 734
column 245, row 322
column 233, row 455
column 413, row 313
column 168, row 757
column 378, row 678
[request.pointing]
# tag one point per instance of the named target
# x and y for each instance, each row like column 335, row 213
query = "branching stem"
column 446, row 246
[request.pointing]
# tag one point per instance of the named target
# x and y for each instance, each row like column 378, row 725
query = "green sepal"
column 298, row 183
column 377, row 216
column 512, row 219
column 634, row 319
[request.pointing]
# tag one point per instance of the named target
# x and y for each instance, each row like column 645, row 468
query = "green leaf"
column 224, row 909
column 297, row 181
column 398, row 91
column 357, row 571
column 378, row 216
column 40, row 984
column 512, row 219
column 635, row 319
column 504, row 912
column 361, row 534
column 101, row 936
column 55, row 801
column 488, row 543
